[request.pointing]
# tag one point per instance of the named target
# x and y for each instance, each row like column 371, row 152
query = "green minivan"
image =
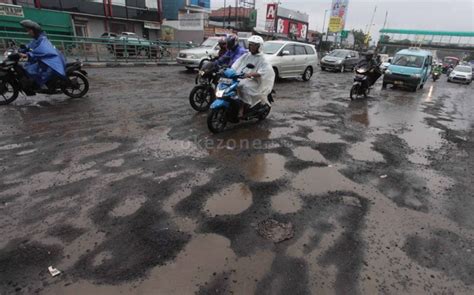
column 410, row 68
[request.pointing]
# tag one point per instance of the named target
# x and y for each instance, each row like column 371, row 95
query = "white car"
column 192, row 58
column 461, row 74
column 291, row 59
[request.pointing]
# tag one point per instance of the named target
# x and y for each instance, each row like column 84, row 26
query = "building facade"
column 92, row 18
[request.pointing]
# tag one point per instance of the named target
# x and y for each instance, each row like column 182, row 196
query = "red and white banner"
column 271, row 16
column 297, row 29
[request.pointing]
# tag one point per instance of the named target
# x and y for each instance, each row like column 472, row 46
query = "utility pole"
column 225, row 7
column 322, row 31
column 385, row 21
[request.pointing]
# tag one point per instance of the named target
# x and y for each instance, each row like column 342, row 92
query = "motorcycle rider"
column 368, row 61
column 44, row 61
column 258, row 82
column 234, row 51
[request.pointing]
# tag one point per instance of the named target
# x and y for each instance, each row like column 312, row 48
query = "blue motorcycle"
column 227, row 104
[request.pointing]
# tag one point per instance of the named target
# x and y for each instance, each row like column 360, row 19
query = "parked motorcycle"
column 227, row 104
column 363, row 81
column 14, row 79
column 203, row 94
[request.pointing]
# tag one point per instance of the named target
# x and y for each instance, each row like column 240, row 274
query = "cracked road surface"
column 126, row 191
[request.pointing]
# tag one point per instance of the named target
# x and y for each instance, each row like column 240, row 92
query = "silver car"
column 291, row 59
column 192, row 58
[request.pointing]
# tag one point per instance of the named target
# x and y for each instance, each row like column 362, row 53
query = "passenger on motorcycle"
column 234, row 51
column 44, row 60
column 222, row 47
column 259, row 79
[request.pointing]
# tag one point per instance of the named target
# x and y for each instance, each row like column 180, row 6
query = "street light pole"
column 322, row 31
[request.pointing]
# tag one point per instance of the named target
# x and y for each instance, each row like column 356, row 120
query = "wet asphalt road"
column 127, row 191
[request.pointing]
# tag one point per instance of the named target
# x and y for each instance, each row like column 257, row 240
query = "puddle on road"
column 421, row 138
column 234, row 199
column 306, row 153
column 129, row 206
column 115, row 163
column 286, row 202
column 264, row 167
column 321, row 136
column 101, row 258
column 317, row 180
column 363, row 152
column 282, row 131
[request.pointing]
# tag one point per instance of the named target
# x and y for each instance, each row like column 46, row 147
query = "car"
column 192, row 58
column 449, row 61
column 410, row 68
column 130, row 44
column 340, row 60
column 386, row 61
column 108, row 36
column 291, row 59
column 461, row 74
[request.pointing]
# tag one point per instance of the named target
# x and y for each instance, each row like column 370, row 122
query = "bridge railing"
column 103, row 49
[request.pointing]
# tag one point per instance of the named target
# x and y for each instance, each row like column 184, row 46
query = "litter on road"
column 276, row 231
column 53, row 271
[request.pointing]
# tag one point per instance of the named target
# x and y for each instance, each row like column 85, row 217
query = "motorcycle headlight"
column 220, row 93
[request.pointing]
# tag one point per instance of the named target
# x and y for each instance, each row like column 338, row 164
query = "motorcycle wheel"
column 353, row 93
column 201, row 98
column 8, row 92
column 216, row 120
column 265, row 113
column 77, row 86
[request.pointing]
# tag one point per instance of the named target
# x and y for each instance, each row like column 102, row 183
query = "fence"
column 104, row 49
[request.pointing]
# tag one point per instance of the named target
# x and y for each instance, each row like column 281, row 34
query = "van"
column 291, row 59
column 410, row 68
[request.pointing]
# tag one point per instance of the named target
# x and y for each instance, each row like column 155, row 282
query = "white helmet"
column 256, row 39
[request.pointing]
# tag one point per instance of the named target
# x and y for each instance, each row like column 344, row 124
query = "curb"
column 126, row 64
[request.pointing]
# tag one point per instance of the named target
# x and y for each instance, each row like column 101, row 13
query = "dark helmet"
column 232, row 42
column 369, row 55
column 29, row 24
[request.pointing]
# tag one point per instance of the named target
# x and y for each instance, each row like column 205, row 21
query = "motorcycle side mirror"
column 251, row 66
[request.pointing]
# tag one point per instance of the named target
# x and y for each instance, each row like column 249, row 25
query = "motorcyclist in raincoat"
column 234, row 52
column 259, row 80
column 44, row 60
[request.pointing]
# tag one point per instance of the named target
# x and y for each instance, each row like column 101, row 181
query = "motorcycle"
column 203, row 94
column 14, row 79
column 227, row 104
column 435, row 75
column 363, row 81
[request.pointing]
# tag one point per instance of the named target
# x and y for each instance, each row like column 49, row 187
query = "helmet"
column 29, row 24
column 256, row 40
column 222, row 40
column 369, row 54
column 232, row 41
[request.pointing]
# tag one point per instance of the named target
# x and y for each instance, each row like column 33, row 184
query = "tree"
column 359, row 38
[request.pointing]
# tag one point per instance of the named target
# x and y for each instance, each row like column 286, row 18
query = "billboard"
column 270, row 17
column 296, row 29
column 337, row 20
column 202, row 3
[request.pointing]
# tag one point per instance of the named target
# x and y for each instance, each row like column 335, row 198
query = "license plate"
column 398, row 83
column 225, row 81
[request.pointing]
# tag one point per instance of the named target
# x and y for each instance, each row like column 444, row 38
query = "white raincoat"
column 252, row 91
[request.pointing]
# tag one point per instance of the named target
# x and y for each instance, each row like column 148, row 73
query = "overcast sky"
column 452, row 15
